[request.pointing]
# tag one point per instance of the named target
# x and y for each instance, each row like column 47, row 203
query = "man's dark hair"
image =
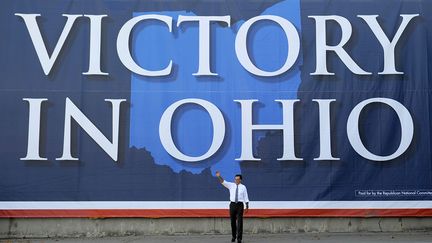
column 241, row 178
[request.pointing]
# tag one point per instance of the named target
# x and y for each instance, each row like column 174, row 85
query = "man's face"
column 237, row 180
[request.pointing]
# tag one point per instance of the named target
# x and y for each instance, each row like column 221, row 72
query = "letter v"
column 46, row 61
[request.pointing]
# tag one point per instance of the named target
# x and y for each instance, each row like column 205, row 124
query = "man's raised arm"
column 221, row 180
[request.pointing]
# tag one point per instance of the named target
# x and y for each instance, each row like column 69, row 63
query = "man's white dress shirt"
column 242, row 191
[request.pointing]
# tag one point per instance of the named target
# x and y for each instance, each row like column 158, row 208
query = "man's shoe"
column 238, row 241
column 233, row 240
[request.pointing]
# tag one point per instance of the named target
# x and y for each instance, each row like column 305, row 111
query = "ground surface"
column 276, row 238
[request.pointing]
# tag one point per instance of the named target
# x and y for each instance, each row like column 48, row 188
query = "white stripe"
column 213, row 205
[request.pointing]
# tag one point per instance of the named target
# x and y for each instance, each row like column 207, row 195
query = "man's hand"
column 246, row 210
column 219, row 177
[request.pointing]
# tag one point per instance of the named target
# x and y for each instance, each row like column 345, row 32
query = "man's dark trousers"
column 236, row 215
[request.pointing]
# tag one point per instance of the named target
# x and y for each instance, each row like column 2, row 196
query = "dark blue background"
column 136, row 177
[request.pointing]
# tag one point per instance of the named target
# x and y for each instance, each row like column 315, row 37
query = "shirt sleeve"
column 246, row 197
column 226, row 184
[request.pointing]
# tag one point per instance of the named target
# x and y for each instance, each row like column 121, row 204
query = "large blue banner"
column 128, row 108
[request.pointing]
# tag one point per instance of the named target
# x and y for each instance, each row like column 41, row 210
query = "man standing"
column 238, row 196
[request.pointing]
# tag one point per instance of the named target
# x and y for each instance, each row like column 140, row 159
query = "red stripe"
column 200, row 213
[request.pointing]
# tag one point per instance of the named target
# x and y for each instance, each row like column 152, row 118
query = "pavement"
column 261, row 238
